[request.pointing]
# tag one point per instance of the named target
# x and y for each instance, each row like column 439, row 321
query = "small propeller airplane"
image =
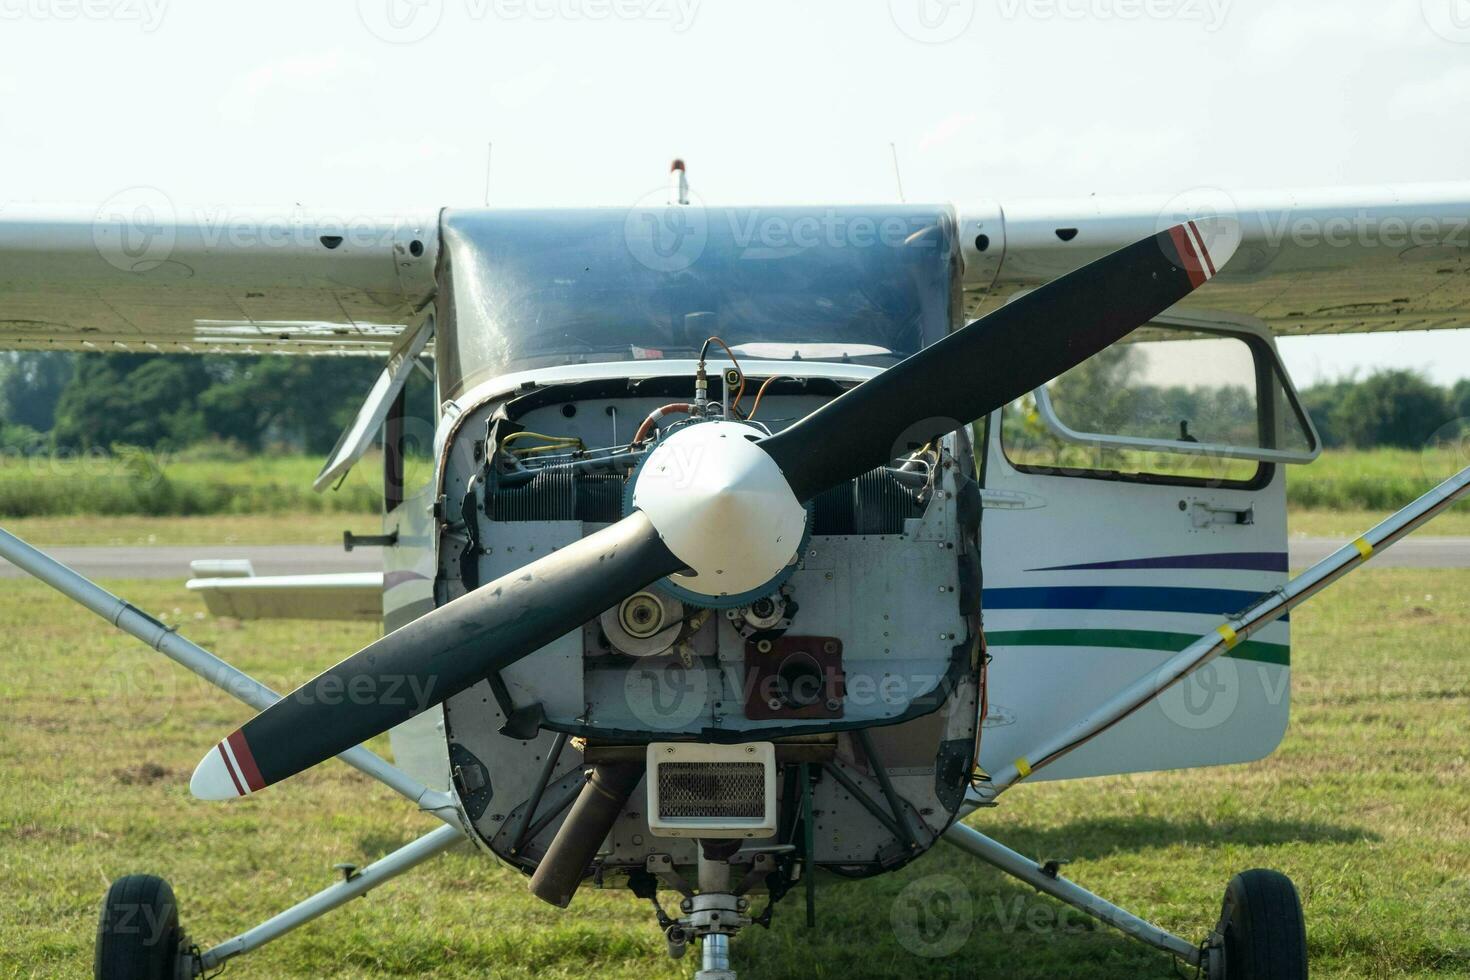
column 759, row 541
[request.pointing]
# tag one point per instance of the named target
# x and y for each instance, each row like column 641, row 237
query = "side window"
column 1172, row 403
column 408, row 440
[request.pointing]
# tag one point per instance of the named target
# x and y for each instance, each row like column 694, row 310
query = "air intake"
column 697, row 790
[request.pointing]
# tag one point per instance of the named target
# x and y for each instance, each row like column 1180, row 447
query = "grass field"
column 1366, row 805
column 182, row 485
column 270, row 501
column 179, row 485
column 213, row 529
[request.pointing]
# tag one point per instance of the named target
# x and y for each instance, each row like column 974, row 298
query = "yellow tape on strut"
column 1364, row 548
column 1023, row 767
column 1231, row 637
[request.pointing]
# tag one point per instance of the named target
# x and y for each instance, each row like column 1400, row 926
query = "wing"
column 1328, row 261
column 140, row 275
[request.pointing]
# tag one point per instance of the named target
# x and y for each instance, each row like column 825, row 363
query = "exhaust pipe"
column 608, row 788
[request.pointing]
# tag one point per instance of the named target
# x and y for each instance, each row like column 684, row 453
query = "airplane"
column 739, row 543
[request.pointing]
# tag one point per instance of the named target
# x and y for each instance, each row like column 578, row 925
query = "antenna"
column 898, row 177
column 489, row 148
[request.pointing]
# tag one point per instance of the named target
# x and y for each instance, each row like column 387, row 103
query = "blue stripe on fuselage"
column 1223, row 602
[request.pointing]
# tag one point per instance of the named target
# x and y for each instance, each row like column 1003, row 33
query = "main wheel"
column 138, row 937
column 1263, row 928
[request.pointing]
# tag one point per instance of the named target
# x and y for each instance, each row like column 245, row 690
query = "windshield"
column 528, row 289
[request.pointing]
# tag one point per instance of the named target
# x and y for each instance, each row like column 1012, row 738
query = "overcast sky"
column 363, row 105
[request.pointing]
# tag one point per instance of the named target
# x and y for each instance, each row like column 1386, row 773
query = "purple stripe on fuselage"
column 391, row 579
column 1243, row 561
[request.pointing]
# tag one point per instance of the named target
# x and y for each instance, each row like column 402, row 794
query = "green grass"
column 1346, row 524
column 1366, row 805
column 322, row 528
column 1376, row 479
column 206, row 482
column 164, row 485
column 326, row 528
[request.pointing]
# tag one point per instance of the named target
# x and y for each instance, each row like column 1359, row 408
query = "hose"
column 652, row 421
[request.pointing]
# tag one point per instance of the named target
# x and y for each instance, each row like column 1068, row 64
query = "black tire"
column 1265, row 932
column 138, row 936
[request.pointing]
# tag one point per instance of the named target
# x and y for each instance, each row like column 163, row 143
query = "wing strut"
column 189, row 655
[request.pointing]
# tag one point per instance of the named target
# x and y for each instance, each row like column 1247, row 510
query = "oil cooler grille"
column 701, row 790
column 711, row 789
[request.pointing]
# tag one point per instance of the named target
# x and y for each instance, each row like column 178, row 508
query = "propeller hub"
column 722, row 506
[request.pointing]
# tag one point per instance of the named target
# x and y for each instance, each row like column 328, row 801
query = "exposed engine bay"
column 848, row 685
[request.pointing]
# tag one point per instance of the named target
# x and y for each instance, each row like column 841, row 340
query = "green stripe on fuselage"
column 1257, row 650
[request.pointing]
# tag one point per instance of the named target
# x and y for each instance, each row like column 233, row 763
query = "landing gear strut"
column 718, row 910
column 1261, row 934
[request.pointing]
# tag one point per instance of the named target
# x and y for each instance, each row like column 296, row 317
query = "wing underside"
column 1310, row 262
column 150, row 279
column 153, row 278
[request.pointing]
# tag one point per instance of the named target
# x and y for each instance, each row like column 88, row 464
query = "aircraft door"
column 409, row 556
column 1130, row 506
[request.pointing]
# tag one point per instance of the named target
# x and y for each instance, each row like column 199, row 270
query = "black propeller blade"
column 435, row 657
column 1000, row 357
column 963, row 377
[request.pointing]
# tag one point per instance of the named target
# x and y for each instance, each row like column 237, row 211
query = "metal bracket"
column 350, row 540
column 661, row 866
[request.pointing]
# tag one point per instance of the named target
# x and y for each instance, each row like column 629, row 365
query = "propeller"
column 719, row 508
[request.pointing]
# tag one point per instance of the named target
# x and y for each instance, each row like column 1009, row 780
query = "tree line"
column 89, row 402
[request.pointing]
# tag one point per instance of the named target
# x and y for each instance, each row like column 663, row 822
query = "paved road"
column 1415, row 551
column 173, row 561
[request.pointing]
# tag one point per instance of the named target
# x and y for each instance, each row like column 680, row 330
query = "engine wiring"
column 740, row 391
column 761, row 393
column 548, row 443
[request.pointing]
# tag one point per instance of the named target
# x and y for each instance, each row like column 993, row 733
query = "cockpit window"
column 529, row 289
